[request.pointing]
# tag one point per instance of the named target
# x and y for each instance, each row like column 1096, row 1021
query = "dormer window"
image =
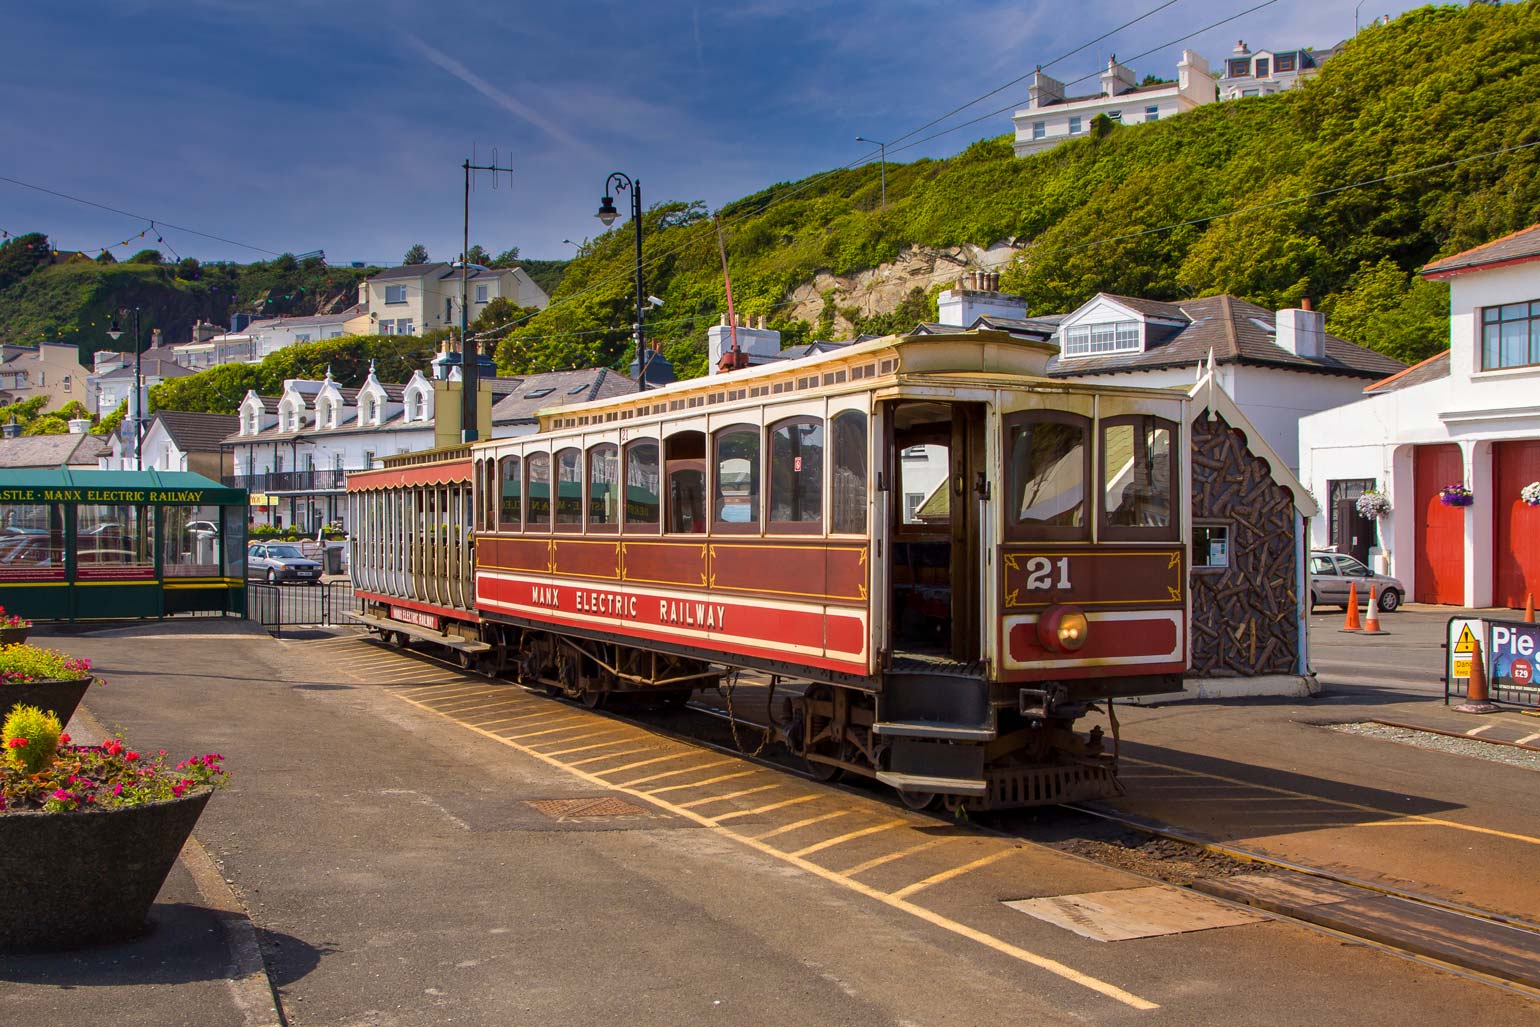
column 419, row 407
column 1099, row 339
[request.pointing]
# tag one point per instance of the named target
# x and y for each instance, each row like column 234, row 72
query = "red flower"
column 112, row 746
column 131, row 755
column 16, row 743
column 64, row 739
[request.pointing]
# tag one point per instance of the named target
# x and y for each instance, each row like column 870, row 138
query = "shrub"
column 21, row 663
column 31, row 739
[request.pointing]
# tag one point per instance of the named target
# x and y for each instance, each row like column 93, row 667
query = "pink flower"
column 177, row 790
column 117, row 789
column 60, row 794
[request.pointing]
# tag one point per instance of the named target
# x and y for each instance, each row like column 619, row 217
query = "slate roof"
column 52, row 450
column 296, row 320
column 149, row 368
column 1523, row 245
column 1429, row 370
column 565, row 387
column 1237, row 332
column 435, row 268
column 196, row 432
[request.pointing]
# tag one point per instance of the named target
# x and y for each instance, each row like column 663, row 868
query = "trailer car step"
column 939, row 785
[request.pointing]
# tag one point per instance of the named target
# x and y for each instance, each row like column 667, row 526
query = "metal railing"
column 315, row 480
column 277, row 607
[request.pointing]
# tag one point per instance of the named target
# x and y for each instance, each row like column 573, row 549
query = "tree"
column 48, row 424
column 507, row 258
column 500, row 314
column 416, row 254
column 187, row 268
column 480, row 256
column 72, row 410
column 110, row 423
column 106, row 257
column 148, row 257
column 22, row 255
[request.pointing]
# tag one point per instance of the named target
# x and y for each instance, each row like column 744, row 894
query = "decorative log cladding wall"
column 1244, row 619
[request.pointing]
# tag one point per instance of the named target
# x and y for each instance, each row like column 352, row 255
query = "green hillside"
column 1434, row 86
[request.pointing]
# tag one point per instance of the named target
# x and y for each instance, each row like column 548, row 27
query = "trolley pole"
column 470, row 356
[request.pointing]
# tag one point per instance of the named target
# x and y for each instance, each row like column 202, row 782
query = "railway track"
column 1482, row 946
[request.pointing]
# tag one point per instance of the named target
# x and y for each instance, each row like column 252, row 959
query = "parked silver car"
column 279, row 562
column 1331, row 574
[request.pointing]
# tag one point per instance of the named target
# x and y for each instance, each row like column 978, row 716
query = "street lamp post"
column 136, row 404
column 607, row 214
column 883, row 150
column 1355, row 16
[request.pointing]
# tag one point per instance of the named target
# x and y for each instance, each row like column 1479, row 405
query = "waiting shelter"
column 85, row 545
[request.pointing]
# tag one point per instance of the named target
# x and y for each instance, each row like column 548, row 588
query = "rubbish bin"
column 333, row 561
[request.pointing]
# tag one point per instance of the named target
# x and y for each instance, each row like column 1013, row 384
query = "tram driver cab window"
column 1049, row 462
column 1138, row 476
column 509, row 505
column 685, row 463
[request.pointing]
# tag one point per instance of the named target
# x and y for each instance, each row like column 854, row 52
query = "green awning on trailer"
column 62, row 485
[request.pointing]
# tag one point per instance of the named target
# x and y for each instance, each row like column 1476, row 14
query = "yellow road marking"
column 852, row 836
column 861, row 868
column 670, row 773
column 596, row 745
column 801, row 824
column 591, row 734
column 892, row 901
column 1417, row 817
column 702, row 784
column 763, row 809
column 947, row 875
column 643, row 763
column 1528, row 738
column 1479, row 729
column 722, row 798
column 606, row 756
column 569, row 726
column 483, row 706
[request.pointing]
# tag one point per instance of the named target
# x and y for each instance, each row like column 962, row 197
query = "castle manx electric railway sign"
column 94, row 495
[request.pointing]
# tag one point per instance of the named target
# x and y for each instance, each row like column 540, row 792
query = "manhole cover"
column 1136, row 913
column 586, row 809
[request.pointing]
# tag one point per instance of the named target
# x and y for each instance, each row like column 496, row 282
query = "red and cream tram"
column 956, row 556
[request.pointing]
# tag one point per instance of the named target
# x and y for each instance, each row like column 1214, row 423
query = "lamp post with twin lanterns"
column 608, row 214
column 136, row 402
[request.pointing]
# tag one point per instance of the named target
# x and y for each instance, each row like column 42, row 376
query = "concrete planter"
column 68, row 880
column 58, row 697
column 14, row 636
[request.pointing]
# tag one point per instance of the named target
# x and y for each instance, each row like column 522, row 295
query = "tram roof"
column 986, row 356
column 62, row 483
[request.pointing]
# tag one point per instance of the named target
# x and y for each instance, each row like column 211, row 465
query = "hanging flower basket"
column 1530, row 494
column 1456, row 495
column 1373, row 504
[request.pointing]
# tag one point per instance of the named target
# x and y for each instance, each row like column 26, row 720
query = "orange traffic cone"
column 1529, row 608
column 1351, row 623
column 1476, row 699
column 1372, row 617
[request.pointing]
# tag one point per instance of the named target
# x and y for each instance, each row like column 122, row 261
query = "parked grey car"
column 1332, row 573
column 279, row 562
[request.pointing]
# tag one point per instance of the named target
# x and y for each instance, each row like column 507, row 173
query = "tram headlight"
column 1063, row 629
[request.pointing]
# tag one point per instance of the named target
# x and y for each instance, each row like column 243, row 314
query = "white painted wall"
column 1193, row 88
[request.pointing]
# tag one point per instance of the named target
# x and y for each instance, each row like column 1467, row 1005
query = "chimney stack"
column 10, row 429
column 79, row 425
column 1302, row 331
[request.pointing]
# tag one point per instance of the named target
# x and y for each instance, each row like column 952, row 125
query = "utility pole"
column 470, row 356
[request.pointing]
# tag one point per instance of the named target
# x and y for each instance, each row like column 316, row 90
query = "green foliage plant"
column 31, row 738
column 22, row 664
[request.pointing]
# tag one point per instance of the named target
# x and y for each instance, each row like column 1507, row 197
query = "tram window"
column 111, row 536
column 537, row 487
column 685, row 462
column 569, row 490
column 1049, row 462
column 603, row 476
column 642, row 499
column 796, row 474
column 190, row 541
column 735, row 503
column 32, row 535
column 1138, row 472
column 848, row 499
column 510, row 505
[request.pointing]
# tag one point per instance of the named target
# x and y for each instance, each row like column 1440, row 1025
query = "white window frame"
column 397, row 291
column 481, row 293
column 1076, row 126
column 1039, row 129
column 1152, row 113
column 1101, row 339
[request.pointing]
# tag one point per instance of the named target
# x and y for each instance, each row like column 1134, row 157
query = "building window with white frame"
column 1510, row 335
column 1115, row 117
column 1039, row 129
column 1152, row 113
column 1099, row 339
column 481, row 293
column 1074, row 125
column 395, row 294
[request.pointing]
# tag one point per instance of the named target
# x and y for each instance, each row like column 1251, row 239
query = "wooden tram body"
column 956, row 555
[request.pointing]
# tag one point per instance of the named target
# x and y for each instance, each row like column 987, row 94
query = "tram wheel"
column 594, row 699
column 822, row 771
column 465, row 659
column 918, row 801
column 399, row 639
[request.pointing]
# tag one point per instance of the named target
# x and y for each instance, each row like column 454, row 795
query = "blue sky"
column 299, row 125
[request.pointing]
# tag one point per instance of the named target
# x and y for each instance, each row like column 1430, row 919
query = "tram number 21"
column 1041, row 573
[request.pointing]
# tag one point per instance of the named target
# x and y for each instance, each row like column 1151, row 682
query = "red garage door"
column 1516, row 557
column 1440, row 528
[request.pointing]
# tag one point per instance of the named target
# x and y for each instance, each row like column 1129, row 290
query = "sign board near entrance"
column 1513, row 648
column 1463, row 632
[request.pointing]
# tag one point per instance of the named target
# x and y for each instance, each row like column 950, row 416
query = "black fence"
column 316, row 479
column 277, row 607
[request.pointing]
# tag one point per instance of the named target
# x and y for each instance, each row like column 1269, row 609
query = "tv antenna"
column 470, row 367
